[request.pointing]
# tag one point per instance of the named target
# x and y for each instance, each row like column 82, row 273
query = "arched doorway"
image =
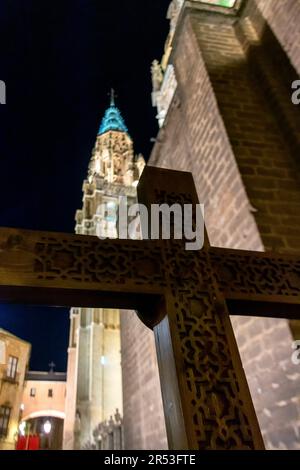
column 41, row 430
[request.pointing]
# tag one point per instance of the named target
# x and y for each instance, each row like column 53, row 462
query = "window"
column 2, row 352
column 12, row 367
column 221, row 3
column 4, row 420
column 50, row 393
column 32, row 392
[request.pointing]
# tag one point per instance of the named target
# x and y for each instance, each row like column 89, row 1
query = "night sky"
column 59, row 60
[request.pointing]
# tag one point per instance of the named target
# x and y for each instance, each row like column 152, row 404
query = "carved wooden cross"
column 185, row 296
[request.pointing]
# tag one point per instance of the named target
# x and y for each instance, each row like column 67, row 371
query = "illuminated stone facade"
column 44, row 394
column 14, row 359
column 163, row 75
column 43, row 402
column 94, row 379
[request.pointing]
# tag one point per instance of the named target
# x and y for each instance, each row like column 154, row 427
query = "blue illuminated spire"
column 113, row 120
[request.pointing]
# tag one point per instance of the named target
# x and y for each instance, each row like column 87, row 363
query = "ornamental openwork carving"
column 237, row 272
column 218, row 411
column 81, row 259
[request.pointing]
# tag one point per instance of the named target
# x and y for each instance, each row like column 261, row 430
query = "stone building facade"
column 14, row 360
column 108, row 435
column 44, row 395
column 231, row 122
column 43, row 401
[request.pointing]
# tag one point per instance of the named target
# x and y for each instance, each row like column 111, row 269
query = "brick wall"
column 283, row 16
column 144, row 425
column 269, row 172
column 224, row 128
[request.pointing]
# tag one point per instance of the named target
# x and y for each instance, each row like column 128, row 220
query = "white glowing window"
column 111, row 212
column 103, row 360
column 221, row 3
column 2, row 352
column 98, row 166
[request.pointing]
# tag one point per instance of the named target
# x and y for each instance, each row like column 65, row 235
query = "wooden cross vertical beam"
column 206, row 398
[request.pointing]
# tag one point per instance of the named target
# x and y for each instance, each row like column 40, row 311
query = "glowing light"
column 221, row 3
column 22, row 428
column 47, row 427
column 98, row 166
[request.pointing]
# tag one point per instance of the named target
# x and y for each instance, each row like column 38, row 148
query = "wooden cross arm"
column 258, row 284
column 65, row 269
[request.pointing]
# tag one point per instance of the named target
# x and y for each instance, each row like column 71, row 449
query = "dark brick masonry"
column 232, row 123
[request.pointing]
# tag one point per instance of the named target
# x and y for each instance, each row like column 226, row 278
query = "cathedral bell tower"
column 94, row 381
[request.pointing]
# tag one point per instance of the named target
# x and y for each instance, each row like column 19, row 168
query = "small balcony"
column 9, row 379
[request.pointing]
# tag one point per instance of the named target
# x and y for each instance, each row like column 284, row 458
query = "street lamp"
column 47, row 427
column 22, row 428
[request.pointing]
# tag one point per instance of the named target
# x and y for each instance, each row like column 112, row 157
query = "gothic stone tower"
column 94, row 382
column 223, row 93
